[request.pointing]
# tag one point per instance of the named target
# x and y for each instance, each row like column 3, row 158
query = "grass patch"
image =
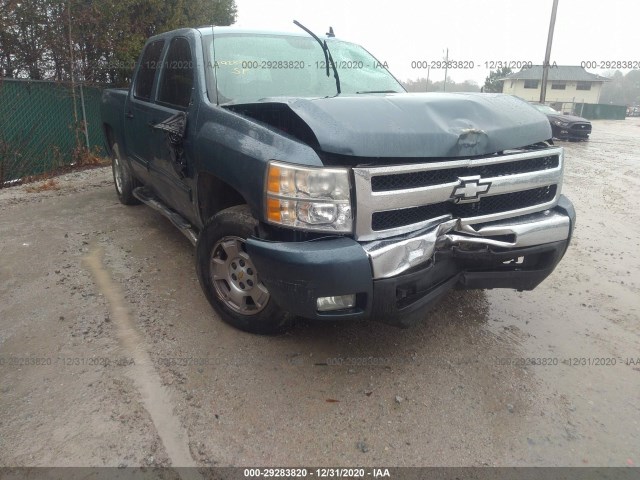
column 47, row 185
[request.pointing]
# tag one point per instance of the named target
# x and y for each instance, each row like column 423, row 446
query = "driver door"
column 171, row 175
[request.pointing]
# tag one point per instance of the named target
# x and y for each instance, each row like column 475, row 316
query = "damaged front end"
column 414, row 272
column 444, row 196
column 422, row 229
column 395, row 279
column 391, row 257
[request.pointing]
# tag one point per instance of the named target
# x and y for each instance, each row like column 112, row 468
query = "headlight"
column 561, row 124
column 309, row 198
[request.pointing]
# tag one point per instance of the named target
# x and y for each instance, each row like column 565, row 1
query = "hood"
column 568, row 118
column 413, row 125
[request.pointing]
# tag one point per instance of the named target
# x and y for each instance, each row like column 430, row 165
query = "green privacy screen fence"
column 600, row 111
column 38, row 128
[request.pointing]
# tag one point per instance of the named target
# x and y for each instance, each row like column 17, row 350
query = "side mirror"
column 175, row 126
column 175, row 129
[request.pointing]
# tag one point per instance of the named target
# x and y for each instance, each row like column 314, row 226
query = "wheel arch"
column 215, row 195
column 111, row 137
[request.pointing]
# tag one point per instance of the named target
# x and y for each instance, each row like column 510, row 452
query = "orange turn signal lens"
column 273, row 182
column 273, row 210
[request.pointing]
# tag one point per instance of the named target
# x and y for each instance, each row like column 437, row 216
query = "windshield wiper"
column 379, row 91
column 327, row 54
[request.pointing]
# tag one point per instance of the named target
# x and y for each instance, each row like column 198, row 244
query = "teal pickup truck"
column 313, row 185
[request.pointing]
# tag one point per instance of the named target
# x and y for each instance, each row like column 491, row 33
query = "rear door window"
column 147, row 70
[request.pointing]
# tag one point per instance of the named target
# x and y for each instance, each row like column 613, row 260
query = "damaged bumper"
column 395, row 280
column 392, row 257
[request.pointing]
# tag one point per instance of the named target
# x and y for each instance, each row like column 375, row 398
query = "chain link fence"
column 46, row 126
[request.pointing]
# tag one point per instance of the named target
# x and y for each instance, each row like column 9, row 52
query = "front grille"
column 485, row 206
column 581, row 128
column 435, row 177
column 399, row 199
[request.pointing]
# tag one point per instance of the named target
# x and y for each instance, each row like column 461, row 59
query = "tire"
column 229, row 279
column 123, row 179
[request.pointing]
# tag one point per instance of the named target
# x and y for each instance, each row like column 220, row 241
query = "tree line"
column 96, row 41
column 622, row 89
column 424, row 85
column 492, row 84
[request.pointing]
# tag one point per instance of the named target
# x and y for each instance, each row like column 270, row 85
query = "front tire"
column 229, row 279
column 123, row 179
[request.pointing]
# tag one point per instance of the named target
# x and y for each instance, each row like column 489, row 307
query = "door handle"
column 128, row 115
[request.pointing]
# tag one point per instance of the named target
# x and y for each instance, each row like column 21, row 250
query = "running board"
column 148, row 198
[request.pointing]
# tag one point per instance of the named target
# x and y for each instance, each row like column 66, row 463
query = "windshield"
column 250, row 67
column 546, row 109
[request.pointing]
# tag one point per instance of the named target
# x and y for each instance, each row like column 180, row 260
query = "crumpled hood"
column 421, row 124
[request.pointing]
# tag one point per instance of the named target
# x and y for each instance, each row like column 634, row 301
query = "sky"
column 400, row 32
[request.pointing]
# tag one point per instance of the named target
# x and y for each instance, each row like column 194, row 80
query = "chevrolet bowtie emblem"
column 469, row 189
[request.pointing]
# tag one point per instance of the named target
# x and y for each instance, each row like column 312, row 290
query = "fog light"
column 341, row 302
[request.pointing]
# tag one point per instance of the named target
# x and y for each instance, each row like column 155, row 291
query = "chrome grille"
column 398, row 199
column 434, row 177
column 486, row 206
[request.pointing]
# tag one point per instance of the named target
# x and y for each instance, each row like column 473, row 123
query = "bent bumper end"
column 298, row 273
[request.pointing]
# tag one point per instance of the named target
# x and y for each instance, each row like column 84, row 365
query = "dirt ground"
column 110, row 354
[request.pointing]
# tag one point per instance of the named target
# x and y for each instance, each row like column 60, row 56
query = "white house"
column 566, row 85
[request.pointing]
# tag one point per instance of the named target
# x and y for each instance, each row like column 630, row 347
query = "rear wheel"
column 123, row 179
column 229, row 278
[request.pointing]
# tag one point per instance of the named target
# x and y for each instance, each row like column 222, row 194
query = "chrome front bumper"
column 391, row 257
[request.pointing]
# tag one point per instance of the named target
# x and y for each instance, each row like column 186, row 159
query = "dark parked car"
column 566, row 127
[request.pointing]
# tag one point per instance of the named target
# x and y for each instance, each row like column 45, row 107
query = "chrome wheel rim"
column 235, row 279
column 117, row 174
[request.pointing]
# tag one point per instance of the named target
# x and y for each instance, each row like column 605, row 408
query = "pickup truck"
column 313, row 185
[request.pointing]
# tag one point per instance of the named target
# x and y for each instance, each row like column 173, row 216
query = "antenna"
column 215, row 73
column 330, row 32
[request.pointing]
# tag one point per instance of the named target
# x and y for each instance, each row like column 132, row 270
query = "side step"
column 148, row 198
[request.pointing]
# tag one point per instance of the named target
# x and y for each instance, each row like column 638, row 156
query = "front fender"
column 237, row 150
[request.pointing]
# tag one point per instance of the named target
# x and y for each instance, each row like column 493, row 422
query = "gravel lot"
column 110, row 354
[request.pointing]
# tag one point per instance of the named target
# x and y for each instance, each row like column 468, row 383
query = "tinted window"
column 546, row 109
column 147, row 70
column 531, row 84
column 177, row 76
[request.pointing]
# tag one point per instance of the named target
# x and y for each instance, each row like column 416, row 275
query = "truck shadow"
column 456, row 360
column 463, row 309
column 456, row 330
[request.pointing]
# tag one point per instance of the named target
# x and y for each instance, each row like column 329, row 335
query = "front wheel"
column 229, row 278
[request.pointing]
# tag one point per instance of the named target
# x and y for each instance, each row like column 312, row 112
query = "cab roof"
column 234, row 30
